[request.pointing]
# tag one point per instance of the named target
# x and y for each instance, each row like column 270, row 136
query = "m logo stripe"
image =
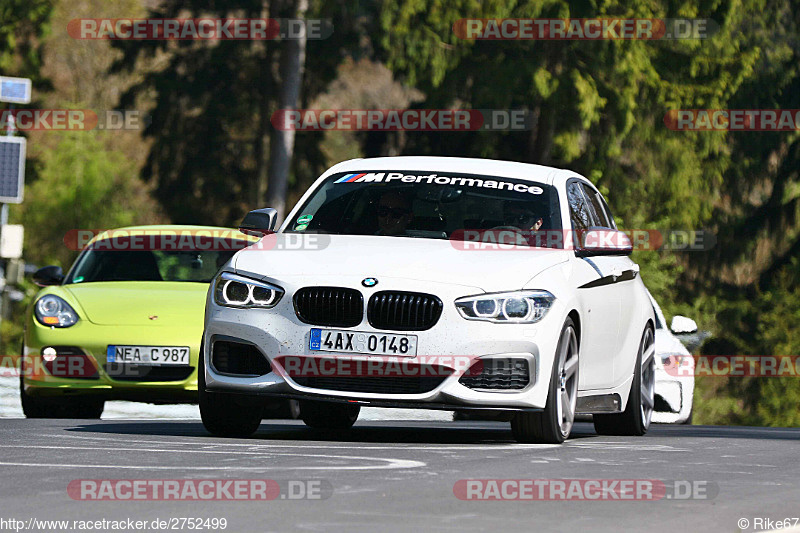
column 349, row 178
column 343, row 179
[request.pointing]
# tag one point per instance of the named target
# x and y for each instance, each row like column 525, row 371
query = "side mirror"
column 681, row 324
column 599, row 241
column 49, row 275
column 259, row 222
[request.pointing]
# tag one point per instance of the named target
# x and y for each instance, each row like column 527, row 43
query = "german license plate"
column 148, row 355
column 343, row 341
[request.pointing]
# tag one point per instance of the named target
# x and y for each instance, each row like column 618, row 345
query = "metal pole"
column 10, row 126
column 4, row 301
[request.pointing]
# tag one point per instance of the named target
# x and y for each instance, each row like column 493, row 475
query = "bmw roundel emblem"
column 369, row 282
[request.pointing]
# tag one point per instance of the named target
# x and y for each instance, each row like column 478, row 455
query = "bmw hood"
column 144, row 303
column 347, row 257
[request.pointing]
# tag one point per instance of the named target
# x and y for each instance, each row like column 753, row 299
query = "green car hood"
column 151, row 303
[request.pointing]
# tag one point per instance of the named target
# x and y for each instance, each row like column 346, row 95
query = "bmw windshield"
column 425, row 205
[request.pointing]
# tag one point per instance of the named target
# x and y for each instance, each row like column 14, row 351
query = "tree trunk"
column 267, row 81
column 540, row 143
column 292, row 65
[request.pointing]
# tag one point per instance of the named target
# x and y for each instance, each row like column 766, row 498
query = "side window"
column 597, row 206
column 608, row 212
column 579, row 211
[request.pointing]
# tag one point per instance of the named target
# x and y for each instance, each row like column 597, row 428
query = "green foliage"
column 213, row 102
column 80, row 185
column 22, row 24
column 599, row 109
column 780, row 306
column 11, row 331
column 752, row 322
column 659, row 270
column 599, row 105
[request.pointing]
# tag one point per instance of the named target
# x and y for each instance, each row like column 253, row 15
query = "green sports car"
column 125, row 323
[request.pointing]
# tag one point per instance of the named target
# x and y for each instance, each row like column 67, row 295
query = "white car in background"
column 674, row 388
column 553, row 323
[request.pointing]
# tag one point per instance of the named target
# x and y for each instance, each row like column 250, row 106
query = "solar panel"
column 12, row 169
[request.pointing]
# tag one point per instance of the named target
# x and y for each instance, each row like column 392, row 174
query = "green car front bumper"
column 76, row 375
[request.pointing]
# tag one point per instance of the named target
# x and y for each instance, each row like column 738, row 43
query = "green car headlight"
column 519, row 307
column 53, row 311
column 233, row 290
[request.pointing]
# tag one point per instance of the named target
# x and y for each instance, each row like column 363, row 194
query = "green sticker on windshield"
column 300, row 227
column 78, row 279
column 305, row 219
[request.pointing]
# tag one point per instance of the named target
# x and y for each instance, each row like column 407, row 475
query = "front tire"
column 554, row 424
column 224, row 414
column 328, row 415
column 635, row 420
column 79, row 407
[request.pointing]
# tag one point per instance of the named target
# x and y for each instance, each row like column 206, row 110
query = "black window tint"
column 579, row 211
column 144, row 265
column 608, row 212
column 597, row 207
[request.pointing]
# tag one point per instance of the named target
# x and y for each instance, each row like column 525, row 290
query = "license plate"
column 334, row 340
column 149, row 355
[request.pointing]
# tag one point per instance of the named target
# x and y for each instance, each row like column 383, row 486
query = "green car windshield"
column 144, row 265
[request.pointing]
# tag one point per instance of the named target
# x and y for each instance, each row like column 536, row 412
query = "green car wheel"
column 66, row 407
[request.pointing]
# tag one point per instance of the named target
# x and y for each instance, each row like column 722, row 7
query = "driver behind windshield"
column 394, row 213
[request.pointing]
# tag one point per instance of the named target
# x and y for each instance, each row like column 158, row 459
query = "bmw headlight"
column 519, row 307
column 233, row 290
column 53, row 311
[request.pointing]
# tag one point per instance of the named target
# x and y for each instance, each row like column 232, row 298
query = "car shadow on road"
column 385, row 432
column 411, row 432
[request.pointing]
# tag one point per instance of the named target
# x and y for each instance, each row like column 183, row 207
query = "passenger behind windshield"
column 519, row 215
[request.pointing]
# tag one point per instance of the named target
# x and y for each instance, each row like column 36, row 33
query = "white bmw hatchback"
column 434, row 283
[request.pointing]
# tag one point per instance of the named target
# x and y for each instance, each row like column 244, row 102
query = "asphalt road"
column 400, row 475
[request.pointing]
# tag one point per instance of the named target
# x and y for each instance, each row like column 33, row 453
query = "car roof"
column 465, row 165
column 174, row 227
column 177, row 228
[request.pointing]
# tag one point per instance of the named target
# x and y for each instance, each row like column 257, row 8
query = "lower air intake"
column 238, row 359
column 497, row 374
